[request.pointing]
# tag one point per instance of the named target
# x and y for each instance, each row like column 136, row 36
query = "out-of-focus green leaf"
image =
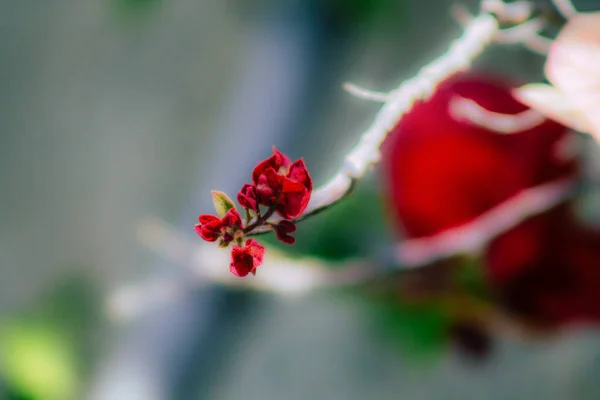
column 44, row 349
column 38, row 361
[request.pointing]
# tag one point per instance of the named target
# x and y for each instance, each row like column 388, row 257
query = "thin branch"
column 474, row 236
column 512, row 13
column 463, row 109
column 461, row 14
column 538, row 44
column 525, row 32
column 565, row 8
column 366, row 93
column 521, row 33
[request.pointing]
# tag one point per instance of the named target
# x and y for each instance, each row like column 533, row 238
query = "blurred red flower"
column 547, row 270
column 442, row 172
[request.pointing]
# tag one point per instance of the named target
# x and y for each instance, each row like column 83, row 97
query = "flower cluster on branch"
column 279, row 186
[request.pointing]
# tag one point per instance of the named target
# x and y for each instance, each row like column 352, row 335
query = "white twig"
column 514, row 13
column 520, row 33
column 525, row 33
column 538, row 44
column 365, row 93
column 463, row 109
column 565, row 8
column 474, row 236
column 461, row 14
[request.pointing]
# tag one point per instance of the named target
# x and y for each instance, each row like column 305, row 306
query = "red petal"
column 276, row 161
column 269, row 186
column 207, row 218
column 256, row 250
column 210, row 232
column 293, row 200
column 232, row 218
column 247, row 197
column 283, row 230
column 245, row 260
column 299, row 173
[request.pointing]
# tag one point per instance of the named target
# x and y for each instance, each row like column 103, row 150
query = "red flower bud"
column 283, row 230
column 232, row 219
column 247, row 197
column 282, row 185
column 246, row 259
column 210, row 228
column 276, row 161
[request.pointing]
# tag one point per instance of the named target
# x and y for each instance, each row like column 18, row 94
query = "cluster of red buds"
column 278, row 186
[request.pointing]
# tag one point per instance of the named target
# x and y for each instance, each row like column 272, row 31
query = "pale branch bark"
column 565, row 7
column 526, row 32
column 473, row 237
column 467, row 110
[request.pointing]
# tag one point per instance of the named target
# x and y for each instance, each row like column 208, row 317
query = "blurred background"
column 112, row 111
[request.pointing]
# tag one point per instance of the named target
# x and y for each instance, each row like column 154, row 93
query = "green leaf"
column 37, row 360
column 222, row 203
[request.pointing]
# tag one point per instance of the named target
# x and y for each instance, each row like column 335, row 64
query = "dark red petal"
column 208, row 232
column 283, row 230
column 293, row 199
column 276, row 161
column 207, row 218
column 269, row 186
column 299, row 173
column 209, row 227
column 247, row 197
column 232, row 218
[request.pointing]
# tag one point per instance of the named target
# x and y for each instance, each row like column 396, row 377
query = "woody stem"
column 262, row 219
